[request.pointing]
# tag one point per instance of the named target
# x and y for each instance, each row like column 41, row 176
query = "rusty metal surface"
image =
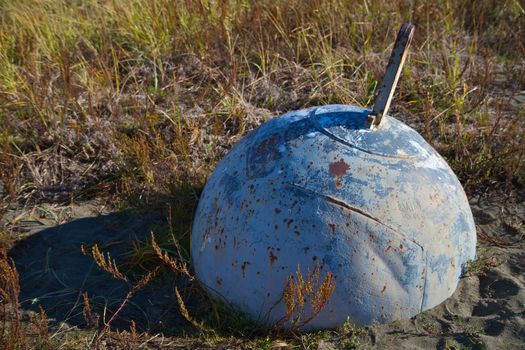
column 379, row 208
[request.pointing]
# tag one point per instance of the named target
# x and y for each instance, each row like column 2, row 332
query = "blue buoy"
column 343, row 189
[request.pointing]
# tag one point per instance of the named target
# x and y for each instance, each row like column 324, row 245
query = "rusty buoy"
column 344, row 189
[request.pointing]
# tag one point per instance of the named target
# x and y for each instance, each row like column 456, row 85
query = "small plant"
column 430, row 326
column 351, row 335
column 90, row 317
column 11, row 334
column 306, row 296
column 478, row 265
column 41, row 328
column 451, row 344
column 178, row 266
column 473, row 332
column 185, row 313
column 15, row 332
column 106, row 263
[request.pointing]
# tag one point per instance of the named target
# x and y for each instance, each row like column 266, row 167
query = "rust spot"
column 372, row 237
column 314, row 258
column 219, row 281
column 400, row 247
column 266, row 146
column 272, row 257
column 297, row 233
column 243, row 267
column 339, row 168
column 389, row 248
column 277, row 210
column 288, row 223
column 384, row 288
column 332, row 228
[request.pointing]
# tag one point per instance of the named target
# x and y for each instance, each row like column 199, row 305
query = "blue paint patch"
column 440, row 265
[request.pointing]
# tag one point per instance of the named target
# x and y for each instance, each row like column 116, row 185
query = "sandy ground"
column 54, row 273
column 487, row 311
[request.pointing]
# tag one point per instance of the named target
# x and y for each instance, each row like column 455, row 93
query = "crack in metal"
column 347, row 206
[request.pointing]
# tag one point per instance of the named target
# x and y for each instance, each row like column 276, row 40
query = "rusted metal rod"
column 393, row 71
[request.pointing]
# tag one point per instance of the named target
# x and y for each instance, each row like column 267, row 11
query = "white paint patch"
column 431, row 162
column 420, row 150
column 311, row 134
column 401, row 152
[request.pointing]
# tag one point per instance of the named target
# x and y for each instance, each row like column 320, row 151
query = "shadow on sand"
column 54, row 273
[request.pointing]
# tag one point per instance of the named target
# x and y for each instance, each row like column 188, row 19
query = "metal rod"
column 393, row 71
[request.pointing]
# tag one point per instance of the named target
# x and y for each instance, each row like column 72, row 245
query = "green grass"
column 136, row 101
column 128, row 97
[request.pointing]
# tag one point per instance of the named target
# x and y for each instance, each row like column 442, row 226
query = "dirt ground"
column 487, row 311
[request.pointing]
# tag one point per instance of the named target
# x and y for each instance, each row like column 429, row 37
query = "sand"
column 487, row 311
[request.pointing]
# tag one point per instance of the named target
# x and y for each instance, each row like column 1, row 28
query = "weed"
column 351, row 335
column 12, row 332
column 176, row 266
column 428, row 324
column 184, row 311
column 478, row 265
column 306, row 296
column 15, row 333
column 109, row 265
column 451, row 344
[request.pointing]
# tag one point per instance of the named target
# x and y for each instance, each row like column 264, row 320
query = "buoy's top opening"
column 345, row 126
column 349, row 126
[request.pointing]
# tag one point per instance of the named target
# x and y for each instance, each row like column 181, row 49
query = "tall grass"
column 131, row 95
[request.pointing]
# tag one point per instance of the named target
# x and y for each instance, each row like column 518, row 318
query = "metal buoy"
column 344, row 189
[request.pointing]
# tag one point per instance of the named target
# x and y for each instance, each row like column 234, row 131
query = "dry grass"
column 137, row 100
column 129, row 97
column 306, row 296
column 15, row 331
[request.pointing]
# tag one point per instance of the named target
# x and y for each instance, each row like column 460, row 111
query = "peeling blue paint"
column 316, row 186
